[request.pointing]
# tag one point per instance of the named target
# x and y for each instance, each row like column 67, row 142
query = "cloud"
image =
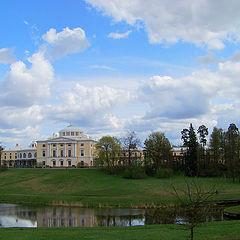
column 104, row 67
column 87, row 105
column 65, row 42
column 208, row 59
column 174, row 98
column 119, row 35
column 204, row 23
column 24, row 86
column 7, row 55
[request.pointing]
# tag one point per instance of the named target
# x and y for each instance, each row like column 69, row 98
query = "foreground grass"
column 234, row 209
column 214, row 230
column 93, row 188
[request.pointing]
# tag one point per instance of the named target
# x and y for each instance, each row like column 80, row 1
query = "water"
column 24, row 216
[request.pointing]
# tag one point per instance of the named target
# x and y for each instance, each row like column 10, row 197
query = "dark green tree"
column 232, row 150
column 216, row 145
column 189, row 138
column 203, row 132
column 1, row 149
column 158, row 150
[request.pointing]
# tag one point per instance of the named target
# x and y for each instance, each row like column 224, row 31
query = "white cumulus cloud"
column 23, row 86
column 201, row 22
column 65, row 42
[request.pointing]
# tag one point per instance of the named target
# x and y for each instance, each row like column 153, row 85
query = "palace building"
column 70, row 148
column 20, row 156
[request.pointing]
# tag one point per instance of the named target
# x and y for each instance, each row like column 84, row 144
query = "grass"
column 93, row 188
column 234, row 209
column 215, row 230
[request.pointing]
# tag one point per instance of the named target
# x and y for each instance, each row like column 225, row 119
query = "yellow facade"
column 71, row 148
column 8, row 157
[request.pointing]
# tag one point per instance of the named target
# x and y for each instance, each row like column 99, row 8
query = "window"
column 54, row 163
column 61, row 163
column 44, row 145
column 69, row 145
column 15, row 155
column 61, row 153
column 82, row 144
column 69, row 153
column 43, row 154
column 82, row 152
column 20, row 155
column 29, row 155
column 64, row 133
column 61, row 145
column 10, row 157
column 35, row 155
column 69, row 163
column 68, row 133
column 43, row 163
column 24, row 155
column 54, row 153
column 72, row 133
column 54, row 145
column 77, row 133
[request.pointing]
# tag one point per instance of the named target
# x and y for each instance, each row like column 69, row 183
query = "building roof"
column 70, row 128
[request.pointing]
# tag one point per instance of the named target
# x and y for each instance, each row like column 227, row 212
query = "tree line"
column 219, row 156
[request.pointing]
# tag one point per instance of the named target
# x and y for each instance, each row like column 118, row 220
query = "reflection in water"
column 22, row 216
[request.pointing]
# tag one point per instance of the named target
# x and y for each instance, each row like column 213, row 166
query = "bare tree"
column 130, row 143
column 194, row 197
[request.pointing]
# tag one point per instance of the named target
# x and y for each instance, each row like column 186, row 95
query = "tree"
column 130, row 143
column 203, row 132
column 216, row 144
column 191, row 157
column 232, row 150
column 108, row 150
column 193, row 196
column 1, row 149
column 158, row 149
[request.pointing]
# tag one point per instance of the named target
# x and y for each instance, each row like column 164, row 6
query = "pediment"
column 61, row 139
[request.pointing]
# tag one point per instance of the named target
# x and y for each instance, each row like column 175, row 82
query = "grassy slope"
column 215, row 230
column 91, row 187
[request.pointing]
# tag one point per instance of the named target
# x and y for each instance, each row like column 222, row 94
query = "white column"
column 75, row 150
column 57, row 149
column 65, row 154
column 48, row 154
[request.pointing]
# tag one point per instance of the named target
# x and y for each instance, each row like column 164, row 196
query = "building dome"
column 70, row 131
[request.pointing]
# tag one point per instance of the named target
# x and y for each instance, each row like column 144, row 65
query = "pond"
column 25, row 216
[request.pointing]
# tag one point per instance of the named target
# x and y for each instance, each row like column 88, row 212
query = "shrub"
column 127, row 173
column 3, row 168
column 138, row 173
column 164, row 173
column 114, row 170
column 134, row 173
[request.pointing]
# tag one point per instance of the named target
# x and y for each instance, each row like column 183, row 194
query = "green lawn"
column 216, row 230
column 93, row 188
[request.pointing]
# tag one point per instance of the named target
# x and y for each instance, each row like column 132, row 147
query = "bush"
column 164, row 173
column 114, row 170
column 134, row 173
column 3, row 168
column 127, row 173
column 138, row 173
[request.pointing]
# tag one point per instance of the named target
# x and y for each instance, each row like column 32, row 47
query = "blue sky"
column 112, row 66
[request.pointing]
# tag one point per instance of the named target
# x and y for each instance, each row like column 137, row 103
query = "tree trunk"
column 191, row 237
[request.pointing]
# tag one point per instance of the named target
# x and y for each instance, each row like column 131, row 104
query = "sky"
column 113, row 66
